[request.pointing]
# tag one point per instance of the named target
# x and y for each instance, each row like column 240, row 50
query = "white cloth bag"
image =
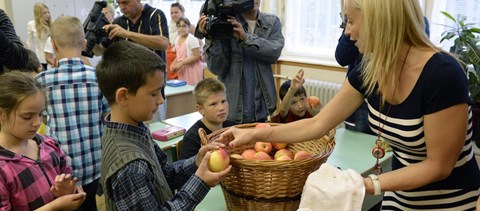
column 330, row 188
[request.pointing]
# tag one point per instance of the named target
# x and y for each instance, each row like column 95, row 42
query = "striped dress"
column 441, row 84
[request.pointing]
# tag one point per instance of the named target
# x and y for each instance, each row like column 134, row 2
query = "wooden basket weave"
column 270, row 185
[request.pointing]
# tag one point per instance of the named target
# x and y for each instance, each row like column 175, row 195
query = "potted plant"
column 466, row 47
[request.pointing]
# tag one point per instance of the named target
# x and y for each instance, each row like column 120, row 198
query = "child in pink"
column 34, row 173
column 187, row 47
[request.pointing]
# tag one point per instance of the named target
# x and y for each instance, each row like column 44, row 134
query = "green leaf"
column 475, row 30
column 448, row 16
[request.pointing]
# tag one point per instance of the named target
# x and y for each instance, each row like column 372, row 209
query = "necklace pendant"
column 378, row 152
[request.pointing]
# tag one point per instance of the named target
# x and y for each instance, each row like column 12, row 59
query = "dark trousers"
column 90, row 204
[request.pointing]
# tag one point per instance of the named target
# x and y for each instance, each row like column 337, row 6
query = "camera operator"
column 143, row 25
column 244, row 62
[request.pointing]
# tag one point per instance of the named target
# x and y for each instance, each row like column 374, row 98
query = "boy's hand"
column 204, row 149
column 209, row 177
column 298, row 81
column 64, row 185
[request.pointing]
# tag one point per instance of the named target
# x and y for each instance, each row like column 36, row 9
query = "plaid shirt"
column 25, row 183
column 132, row 187
column 75, row 108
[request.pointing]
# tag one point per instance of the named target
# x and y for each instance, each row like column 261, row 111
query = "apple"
column 219, row 160
column 283, row 152
column 249, row 154
column 284, row 157
column 314, row 102
column 300, row 155
column 279, row 145
column 236, row 156
column 262, row 125
column 263, row 147
column 262, row 156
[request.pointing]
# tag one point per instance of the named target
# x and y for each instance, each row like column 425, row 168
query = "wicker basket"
column 270, row 185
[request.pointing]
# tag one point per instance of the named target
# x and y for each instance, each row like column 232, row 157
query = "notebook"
column 168, row 133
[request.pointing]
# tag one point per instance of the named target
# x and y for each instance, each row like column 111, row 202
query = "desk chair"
column 177, row 150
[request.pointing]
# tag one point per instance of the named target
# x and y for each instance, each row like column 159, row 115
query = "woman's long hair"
column 385, row 26
column 42, row 26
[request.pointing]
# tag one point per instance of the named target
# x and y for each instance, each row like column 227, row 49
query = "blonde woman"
column 39, row 30
column 418, row 101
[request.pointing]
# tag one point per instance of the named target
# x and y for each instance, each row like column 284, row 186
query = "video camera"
column 217, row 11
column 93, row 27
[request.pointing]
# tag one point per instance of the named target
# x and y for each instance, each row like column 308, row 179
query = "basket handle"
column 203, row 136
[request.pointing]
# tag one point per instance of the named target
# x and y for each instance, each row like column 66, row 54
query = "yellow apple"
column 219, row 160
column 283, row 152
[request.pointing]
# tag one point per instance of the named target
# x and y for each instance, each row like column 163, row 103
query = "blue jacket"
column 225, row 59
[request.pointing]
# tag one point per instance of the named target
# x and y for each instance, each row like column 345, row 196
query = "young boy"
column 212, row 104
column 75, row 105
column 294, row 104
column 135, row 173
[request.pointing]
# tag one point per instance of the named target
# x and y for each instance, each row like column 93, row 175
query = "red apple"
column 219, row 160
column 262, row 125
column 313, row 101
column 300, row 155
column 279, row 145
column 263, row 147
column 262, row 156
column 283, row 152
column 284, row 157
column 249, row 154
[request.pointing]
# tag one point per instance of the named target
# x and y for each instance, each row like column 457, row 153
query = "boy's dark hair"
column 284, row 89
column 205, row 88
column 126, row 64
column 32, row 64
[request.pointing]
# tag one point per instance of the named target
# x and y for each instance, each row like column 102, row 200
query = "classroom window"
column 439, row 23
column 312, row 27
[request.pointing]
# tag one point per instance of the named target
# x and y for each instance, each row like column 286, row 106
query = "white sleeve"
column 30, row 34
column 192, row 43
column 48, row 46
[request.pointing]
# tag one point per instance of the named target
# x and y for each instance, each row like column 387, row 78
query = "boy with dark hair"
column 294, row 104
column 135, row 174
column 75, row 105
column 213, row 106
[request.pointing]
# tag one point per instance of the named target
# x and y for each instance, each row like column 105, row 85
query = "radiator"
column 325, row 90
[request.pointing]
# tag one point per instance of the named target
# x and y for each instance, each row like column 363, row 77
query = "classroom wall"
column 21, row 11
column 318, row 72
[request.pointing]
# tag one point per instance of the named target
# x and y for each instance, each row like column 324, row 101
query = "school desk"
column 180, row 100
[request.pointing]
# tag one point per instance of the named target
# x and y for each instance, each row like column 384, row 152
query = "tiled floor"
column 101, row 203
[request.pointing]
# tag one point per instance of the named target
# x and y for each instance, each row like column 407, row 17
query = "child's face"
column 182, row 28
column 145, row 102
column 215, row 108
column 298, row 105
column 24, row 121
